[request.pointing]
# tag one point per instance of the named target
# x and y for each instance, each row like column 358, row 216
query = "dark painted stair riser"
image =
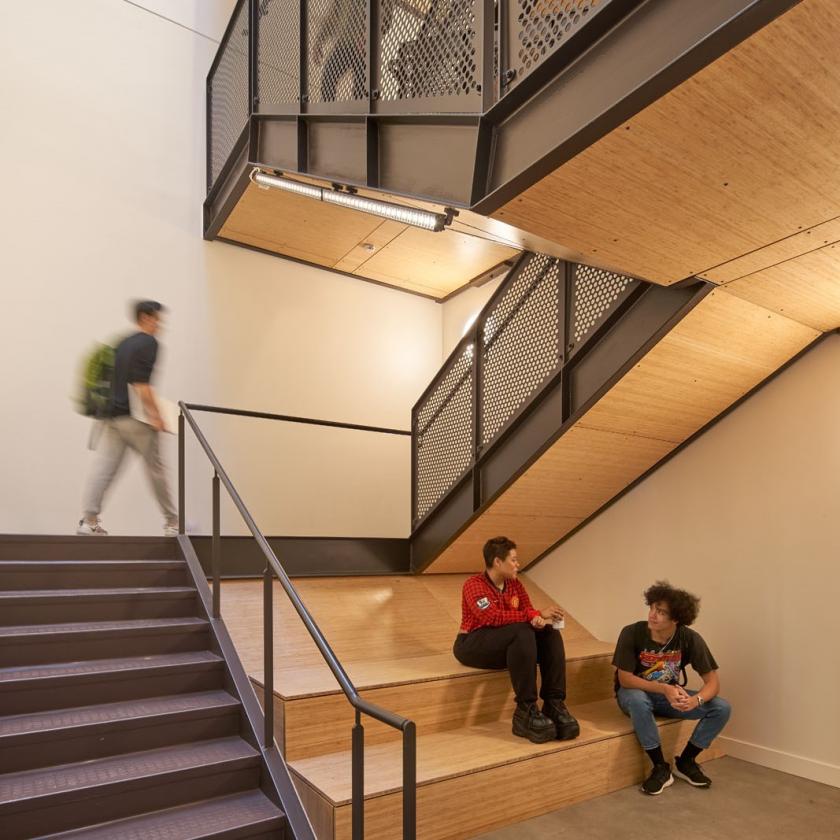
column 40, row 688
column 77, row 574
column 60, row 605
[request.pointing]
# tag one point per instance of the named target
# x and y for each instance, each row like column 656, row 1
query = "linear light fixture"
column 425, row 219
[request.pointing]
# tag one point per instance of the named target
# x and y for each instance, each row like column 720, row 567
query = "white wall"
column 747, row 518
column 461, row 310
column 103, row 145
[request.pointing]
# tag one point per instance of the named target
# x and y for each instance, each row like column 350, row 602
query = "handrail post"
column 358, row 785
column 409, row 781
column 268, row 656
column 182, row 476
column 216, row 562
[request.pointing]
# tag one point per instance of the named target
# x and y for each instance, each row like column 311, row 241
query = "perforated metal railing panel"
column 443, row 433
column 278, row 53
column 429, row 49
column 521, row 341
column 228, row 103
column 337, row 50
column 595, row 293
column 538, row 27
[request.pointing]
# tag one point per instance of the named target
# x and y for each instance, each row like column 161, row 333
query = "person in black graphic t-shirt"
column 134, row 362
column 650, row 660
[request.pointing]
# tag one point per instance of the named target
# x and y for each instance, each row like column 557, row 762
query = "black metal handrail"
column 274, row 567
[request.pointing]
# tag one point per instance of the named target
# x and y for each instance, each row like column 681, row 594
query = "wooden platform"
column 394, row 636
column 475, row 779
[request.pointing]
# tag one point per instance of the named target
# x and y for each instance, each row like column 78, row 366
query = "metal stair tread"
column 20, row 789
column 47, row 595
column 131, row 625
column 32, row 723
column 456, row 752
column 103, row 667
column 189, row 822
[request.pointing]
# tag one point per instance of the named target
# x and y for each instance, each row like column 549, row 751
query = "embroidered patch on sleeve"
column 514, row 602
column 483, row 603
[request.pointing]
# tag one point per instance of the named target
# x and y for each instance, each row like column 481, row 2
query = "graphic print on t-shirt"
column 659, row 666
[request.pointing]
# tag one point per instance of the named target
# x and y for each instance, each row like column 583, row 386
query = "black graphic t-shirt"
column 638, row 653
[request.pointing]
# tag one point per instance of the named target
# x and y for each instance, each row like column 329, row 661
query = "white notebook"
column 167, row 409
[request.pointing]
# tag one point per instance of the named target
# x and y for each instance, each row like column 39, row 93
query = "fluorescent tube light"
column 385, row 209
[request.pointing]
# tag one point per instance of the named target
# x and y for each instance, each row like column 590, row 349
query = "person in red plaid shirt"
column 501, row 629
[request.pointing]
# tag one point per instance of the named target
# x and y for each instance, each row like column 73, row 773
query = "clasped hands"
column 680, row 699
column 546, row 616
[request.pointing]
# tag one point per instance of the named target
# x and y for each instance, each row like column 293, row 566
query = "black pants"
column 519, row 648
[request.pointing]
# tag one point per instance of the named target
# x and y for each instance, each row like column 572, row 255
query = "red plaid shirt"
column 483, row 605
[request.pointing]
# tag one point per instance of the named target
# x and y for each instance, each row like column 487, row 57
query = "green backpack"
column 96, row 381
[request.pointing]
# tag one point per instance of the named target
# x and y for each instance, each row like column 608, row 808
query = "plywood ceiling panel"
column 806, row 289
column 721, row 350
column 434, row 264
column 739, row 156
column 785, row 249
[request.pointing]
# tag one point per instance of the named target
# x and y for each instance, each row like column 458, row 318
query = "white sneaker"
column 85, row 529
column 170, row 530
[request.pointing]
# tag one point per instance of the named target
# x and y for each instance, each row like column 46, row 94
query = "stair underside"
column 720, row 351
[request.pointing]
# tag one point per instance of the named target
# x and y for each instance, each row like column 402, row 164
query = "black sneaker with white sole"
column 659, row 779
column 688, row 770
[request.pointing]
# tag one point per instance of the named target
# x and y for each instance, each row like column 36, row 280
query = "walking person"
column 134, row 364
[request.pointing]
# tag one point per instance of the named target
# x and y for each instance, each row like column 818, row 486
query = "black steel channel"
column 414, row 445
column 372, row 46
column 409, row 781
column 208, row 147
column 253, row 57
column 358, row 778
column 217, row 550
column 303, row 55
column 486, row 35
column 565, row 382
column 182, row 478
column 268, row 657
column 477, row 407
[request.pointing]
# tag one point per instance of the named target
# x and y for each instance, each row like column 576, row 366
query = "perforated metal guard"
column 521, row 341
column 229, row 96
column 278, row 53
column 428, row 49
column 337, row 50
column 443, row 436
column 594, row 295
column 539, row 27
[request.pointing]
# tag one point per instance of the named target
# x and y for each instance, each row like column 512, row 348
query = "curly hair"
column 682, row 605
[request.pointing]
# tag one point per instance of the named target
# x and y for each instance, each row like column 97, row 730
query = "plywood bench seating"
column 394, row 636
column 473, row 765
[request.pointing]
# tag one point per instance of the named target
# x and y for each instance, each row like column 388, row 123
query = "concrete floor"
column 745, row 802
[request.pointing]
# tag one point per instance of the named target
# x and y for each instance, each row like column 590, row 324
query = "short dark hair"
column 682, row 605
column 146, row 307
column 497, row 547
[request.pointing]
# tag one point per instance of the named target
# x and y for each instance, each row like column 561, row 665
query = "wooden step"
column 479, row 765
column 68, row 796
column 66, row 574
column 249, row 814
column 35, row 688
column 33, row 644
column 60, row 736
column 41, row 606
column 312, row 716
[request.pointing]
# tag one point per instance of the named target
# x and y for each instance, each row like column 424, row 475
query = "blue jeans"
column 641, row 706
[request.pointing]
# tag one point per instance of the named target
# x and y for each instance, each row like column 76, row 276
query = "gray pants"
column 118, row 435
